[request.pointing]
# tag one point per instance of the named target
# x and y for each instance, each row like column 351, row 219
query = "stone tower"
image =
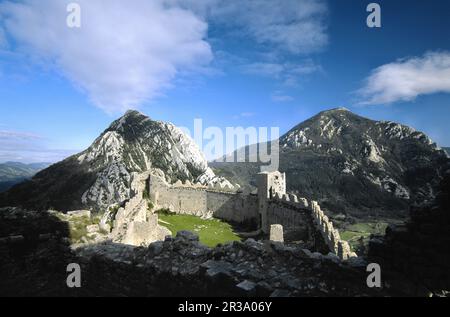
column 269, row 184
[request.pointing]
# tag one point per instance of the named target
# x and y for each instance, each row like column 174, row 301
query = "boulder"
column 187, row 235
column 92, row 228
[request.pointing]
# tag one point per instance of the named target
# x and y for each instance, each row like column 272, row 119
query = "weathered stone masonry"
column 202, row 201
column 271, row 206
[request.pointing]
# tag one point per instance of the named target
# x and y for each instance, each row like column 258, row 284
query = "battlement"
column 322, row 223
column 272, row 206
column 187, row 185
column 331, row 235
column 292, row 200
column 215, row 200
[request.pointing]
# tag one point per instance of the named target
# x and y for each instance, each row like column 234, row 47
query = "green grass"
column 211, row 232
column 359, row 233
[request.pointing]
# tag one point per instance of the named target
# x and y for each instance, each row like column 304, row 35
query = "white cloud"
column 406, row 79
column 123, row 54
column 294, row 26
column 28, row 148
column 290, row 74
column 278, row 96
column 244, row 115
column 3, row 41
column 264, row 69
column 127, row 53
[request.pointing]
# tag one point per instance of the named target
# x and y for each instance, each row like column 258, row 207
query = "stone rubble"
column 249, row 268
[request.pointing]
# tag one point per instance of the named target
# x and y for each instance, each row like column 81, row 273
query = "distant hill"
column 12, row 173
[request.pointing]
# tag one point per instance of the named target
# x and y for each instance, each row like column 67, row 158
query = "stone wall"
column 298, row 214
column 176, row 197
column 269, row 184
column 234, row 207
column 201, row 201
column 271, row 206
column 331, row 235
column 135, row 224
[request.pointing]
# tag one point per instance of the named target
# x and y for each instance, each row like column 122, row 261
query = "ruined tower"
column 269, row 185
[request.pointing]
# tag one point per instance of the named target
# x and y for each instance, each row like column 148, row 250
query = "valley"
column 12, row 173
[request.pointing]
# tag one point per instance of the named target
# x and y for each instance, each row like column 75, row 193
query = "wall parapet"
column 291, row 200
column 322, row 223
column 273, row 205
column 203, row 201
column 330, row 234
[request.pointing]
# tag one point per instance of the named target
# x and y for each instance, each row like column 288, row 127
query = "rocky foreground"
column 183, row 267
column 35, row 251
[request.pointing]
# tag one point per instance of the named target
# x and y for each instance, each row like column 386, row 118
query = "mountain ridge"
column 353, row 165
column 12, row 173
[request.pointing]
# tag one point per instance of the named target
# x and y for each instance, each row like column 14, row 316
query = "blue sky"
column 230, row 63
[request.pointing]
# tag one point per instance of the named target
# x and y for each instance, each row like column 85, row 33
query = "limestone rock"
column 92, row 228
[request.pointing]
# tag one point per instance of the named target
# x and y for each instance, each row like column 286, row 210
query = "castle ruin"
column 272, row 205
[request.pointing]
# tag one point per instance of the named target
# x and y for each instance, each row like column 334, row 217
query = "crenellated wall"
column 331, row 235
column 201, row 201
column 271, row 206
column 290, row 214
column 234, row 207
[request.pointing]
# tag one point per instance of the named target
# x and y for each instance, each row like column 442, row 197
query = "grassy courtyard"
column 211, row 232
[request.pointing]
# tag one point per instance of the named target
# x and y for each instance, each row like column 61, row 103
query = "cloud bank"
column 294, row 26
column 406, row 79
column 288, row 73
column 21, row 146
column 123, row 54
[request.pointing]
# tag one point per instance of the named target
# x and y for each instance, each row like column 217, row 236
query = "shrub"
column 165, row 211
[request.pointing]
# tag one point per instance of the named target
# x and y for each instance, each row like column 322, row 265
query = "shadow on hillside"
column 34, row 253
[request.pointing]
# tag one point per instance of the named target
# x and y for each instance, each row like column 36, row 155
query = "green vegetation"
column 358, row 234
column 211, row 232
column 113, row 211
column 165, row 211
column 77, row 226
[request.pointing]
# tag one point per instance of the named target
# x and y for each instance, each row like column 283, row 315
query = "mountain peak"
column 132, row 113
column 130, row 118
column 339, row 109
column 340, row 112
